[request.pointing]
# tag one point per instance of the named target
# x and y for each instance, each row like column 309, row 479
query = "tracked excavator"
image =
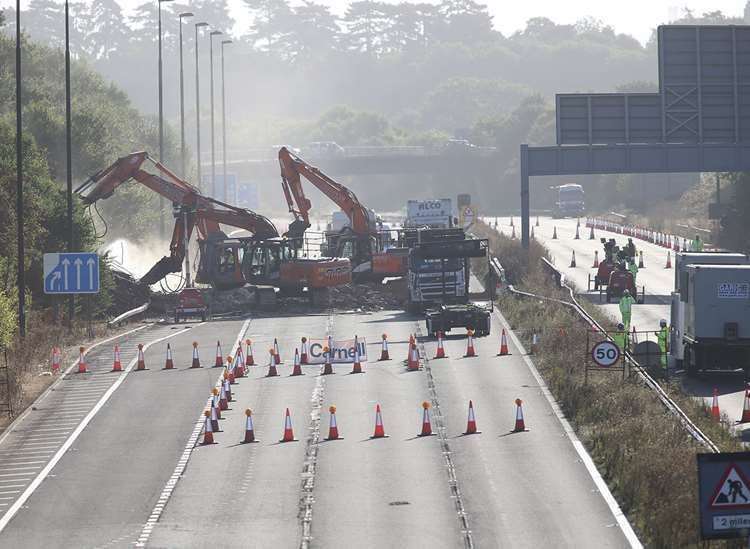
column 264, row 259
column 370, row 249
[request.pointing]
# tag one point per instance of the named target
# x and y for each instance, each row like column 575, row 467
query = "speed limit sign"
column 605, row 353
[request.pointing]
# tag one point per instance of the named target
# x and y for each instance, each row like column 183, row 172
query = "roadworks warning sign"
column 733, row 491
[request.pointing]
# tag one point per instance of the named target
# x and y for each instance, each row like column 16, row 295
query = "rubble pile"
column 371, row 296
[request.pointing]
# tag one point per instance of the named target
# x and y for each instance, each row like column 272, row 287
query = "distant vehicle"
column 458, row 146
column 570, row 201
column 324, row 149
column 434, row 214
column 190, row 303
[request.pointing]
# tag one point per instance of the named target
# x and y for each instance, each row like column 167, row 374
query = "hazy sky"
column 635, row 17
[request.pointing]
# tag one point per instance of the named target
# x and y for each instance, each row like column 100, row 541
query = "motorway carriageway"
column 659, row 284
column 123, row 476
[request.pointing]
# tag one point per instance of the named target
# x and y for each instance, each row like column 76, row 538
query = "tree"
column 271, row 22
column 367, row 22
column 313, row 32
column 108, row 32
column 45, row 22
column 466, row 21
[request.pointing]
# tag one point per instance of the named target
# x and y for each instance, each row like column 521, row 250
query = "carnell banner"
column 343, row 351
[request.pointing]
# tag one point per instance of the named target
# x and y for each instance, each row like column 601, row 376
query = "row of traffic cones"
column 470, row 350
column 213, row 414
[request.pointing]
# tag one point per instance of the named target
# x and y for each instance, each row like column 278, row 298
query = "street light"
column 21, row 279
column 213, row 147
column 161, row 125
column 182, row 99
column 224, row 123
column 198, row 103
column 69, row 154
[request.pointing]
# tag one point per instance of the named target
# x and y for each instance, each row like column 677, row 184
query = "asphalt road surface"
column 658, row 282
column 132, row 473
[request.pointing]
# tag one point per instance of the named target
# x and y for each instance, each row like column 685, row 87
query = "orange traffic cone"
column 249, row 431
column 520, row 426
column 271, row 364
column 169, row 363
column 426, row 424
column 297, row 370
column 413, row 363
column 412, row 341
column 227, row 386
column 117, row 364
column 669, row 261
column 384, row 350
column 141, row 365
column 208, row 430
column 81, row 361
column 379, row 429
column 223, row 401
column 303, row 353
column 503, row 344
column 215, row 403
column 327, row 366
column 276, row 353
column 239, row 363
column 578, row 235
column 196, row 359
column 214, row 415
column 596, row 260
column 470, row 344
column 746, row 407
column 333, row 429
column 219, row 362
column 715, row 412
column 554, row 233
column 288, row 433
column 249, row 355
column 471, row 423
column 640, row 260
column 57, row 359
column 440, row 353
column 229, row 371
column 591, row 233
column 357, row 366
column 573, row 260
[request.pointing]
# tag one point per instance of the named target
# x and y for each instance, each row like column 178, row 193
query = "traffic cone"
column 333, row 429
column 117, row 364
column 413, row 363
column 379, row 429
column 219, row 361
column 532, row 232
column 81, row 361
column 384, row 350
column 249, row 430
column 276, row 353
column 596, row 260
column 669, row 261
column 327, row 366
column 208, row 430
column 746, row 407
column 503, row 344
column 640, row 260
column 196, row 359
column 715, row 412
column 288, row 432
column 471, row 423
column 513, row 233
column 57, row 359
column 297, row 371
column 141, row 365
column 520, row 426
column 223, row 402
column 214, row 415
column 426, row 424
column 470, row 344
column 249, row 361
column 591, row 233
column 229, row 371
column 271, row 364
column 215, row 402
column 676, row 247
column 554, row 233
column 577, row 236
column 169, row 363
column 357, row 366
column 303, row 353
column 578, row 222
column 228, row 386
column 573, row 260
column 440, row 353
column 239, row 363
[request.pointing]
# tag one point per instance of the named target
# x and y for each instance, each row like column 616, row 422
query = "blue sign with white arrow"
column 76, row 273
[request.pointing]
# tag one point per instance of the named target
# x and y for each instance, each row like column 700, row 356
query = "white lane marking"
column 5, row 519
column 15, row 475
column 54, row 386
column 20, row 461
column 169, row 487
column 33, row 468
column 10, row 492
column 611, row 502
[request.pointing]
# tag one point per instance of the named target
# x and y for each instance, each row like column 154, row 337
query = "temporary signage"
column 343, row 351
column 71, row 273
column 733, row 290
column 605, row 353
column 724, row 494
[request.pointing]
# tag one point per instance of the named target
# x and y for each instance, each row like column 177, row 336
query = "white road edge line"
column 601, row 485
column 10, row 513
column 166, row 493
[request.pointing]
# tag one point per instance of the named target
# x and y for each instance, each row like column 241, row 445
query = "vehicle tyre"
column 176, row 319
column 689, row 361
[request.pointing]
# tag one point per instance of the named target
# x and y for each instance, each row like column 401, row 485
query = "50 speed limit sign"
column 605, row 353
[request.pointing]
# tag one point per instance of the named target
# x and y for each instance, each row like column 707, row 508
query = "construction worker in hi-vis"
column 662, row 337
column 697, row 244
column 626, row 306
column 633, row 268
column 621, row 337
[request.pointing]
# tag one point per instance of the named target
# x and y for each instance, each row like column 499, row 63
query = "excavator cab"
column 262, row 259
column 221, row 263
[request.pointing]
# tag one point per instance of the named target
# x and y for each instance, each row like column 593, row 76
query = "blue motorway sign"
column 724, row 494
column 75, row 273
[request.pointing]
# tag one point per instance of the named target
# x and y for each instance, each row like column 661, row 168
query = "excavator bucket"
column 163, row 267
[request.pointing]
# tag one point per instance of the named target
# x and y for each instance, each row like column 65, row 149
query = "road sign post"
column 71, row 273
column 724, row 495
column 602, row 355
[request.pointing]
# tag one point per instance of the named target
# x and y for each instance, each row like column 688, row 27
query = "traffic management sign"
column 724, row 494
column 605, row 354
column 71, row 273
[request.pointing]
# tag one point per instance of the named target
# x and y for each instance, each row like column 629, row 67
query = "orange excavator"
column 263, row 259
column 369, row 248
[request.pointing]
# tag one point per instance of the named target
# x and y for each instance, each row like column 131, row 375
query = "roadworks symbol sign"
column 733, row 490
